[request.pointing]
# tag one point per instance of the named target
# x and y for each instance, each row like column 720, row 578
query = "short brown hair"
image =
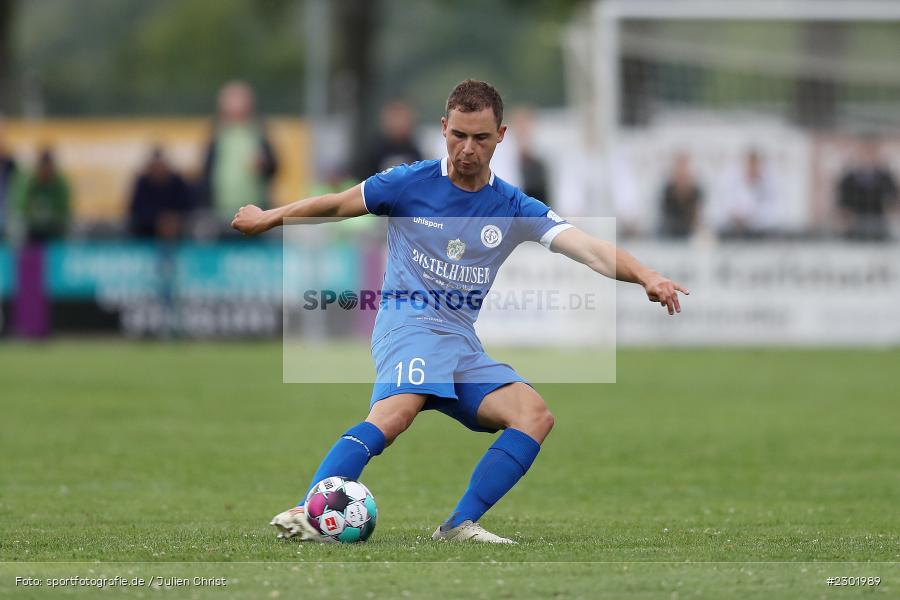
column 472, row 96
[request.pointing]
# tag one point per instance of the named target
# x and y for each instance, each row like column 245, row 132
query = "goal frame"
column 593, row 45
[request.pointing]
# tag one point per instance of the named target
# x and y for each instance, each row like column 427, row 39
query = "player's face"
column 472, row 138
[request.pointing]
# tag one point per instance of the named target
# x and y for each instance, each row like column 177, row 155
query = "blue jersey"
column 446, row 244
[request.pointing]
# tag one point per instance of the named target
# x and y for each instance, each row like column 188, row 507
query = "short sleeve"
column 538, row 223
column 382, row 190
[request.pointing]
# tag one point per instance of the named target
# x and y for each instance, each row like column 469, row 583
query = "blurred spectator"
column 618, row 180
column 533, row 169
column 865, row 192
column 7, row 175
column 681, row 200
column 240, row 163
column 336, row 180
column 160, row 201
column 394, row 144
column 750, row 206
column 43, row 201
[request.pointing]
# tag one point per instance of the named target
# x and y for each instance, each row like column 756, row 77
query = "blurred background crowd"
column 154, row 121
column 161, row 202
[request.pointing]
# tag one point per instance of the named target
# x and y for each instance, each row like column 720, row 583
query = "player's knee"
column 536, row 423
column 542, row 421
column 534, row 417
column 403, row 421
column 547, row 421
column 394, row 415
column 391, row 427
column 393, row 424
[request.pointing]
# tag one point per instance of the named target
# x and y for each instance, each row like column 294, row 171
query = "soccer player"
column 452, row 223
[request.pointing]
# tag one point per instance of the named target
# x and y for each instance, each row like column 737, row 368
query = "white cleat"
column 292, row 522
column 467, row 531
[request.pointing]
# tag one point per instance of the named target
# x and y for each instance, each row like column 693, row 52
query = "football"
column 342, row 510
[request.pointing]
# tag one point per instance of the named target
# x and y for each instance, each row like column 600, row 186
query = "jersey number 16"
column 416, row 375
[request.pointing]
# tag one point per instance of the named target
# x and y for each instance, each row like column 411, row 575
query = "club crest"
column 491, row 236
column 455, row 249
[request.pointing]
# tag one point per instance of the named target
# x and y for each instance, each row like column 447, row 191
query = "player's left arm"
column 607, row 259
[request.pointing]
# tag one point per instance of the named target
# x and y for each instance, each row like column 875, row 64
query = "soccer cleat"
column 467, row 531
column 292, row 522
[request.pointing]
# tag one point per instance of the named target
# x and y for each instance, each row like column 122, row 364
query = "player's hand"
column 249, row 220
column 665, row 291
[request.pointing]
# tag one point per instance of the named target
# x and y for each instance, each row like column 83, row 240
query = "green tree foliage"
column 7, row 91
column 166, row 56
column 425, row 48
column 170, row 56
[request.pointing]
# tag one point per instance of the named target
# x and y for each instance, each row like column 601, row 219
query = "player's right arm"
column 607, row 259
column 252, row 220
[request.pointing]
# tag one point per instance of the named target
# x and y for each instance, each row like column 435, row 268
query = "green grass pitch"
column 700, row 474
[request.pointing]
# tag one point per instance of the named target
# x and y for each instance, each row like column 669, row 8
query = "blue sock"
column 501, row 467
column 349, row 454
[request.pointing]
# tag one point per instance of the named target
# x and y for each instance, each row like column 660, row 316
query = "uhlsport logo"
column 491, row 236
column 455, row 249
column 428, row 223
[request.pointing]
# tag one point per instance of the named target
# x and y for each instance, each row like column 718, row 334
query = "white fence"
column 753, row 294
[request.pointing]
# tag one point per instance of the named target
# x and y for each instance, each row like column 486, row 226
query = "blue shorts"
column 452, row 369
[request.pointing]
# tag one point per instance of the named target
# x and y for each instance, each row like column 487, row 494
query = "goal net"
column 806, row 86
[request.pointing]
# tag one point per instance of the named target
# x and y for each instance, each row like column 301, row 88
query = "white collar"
column 444, row 171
